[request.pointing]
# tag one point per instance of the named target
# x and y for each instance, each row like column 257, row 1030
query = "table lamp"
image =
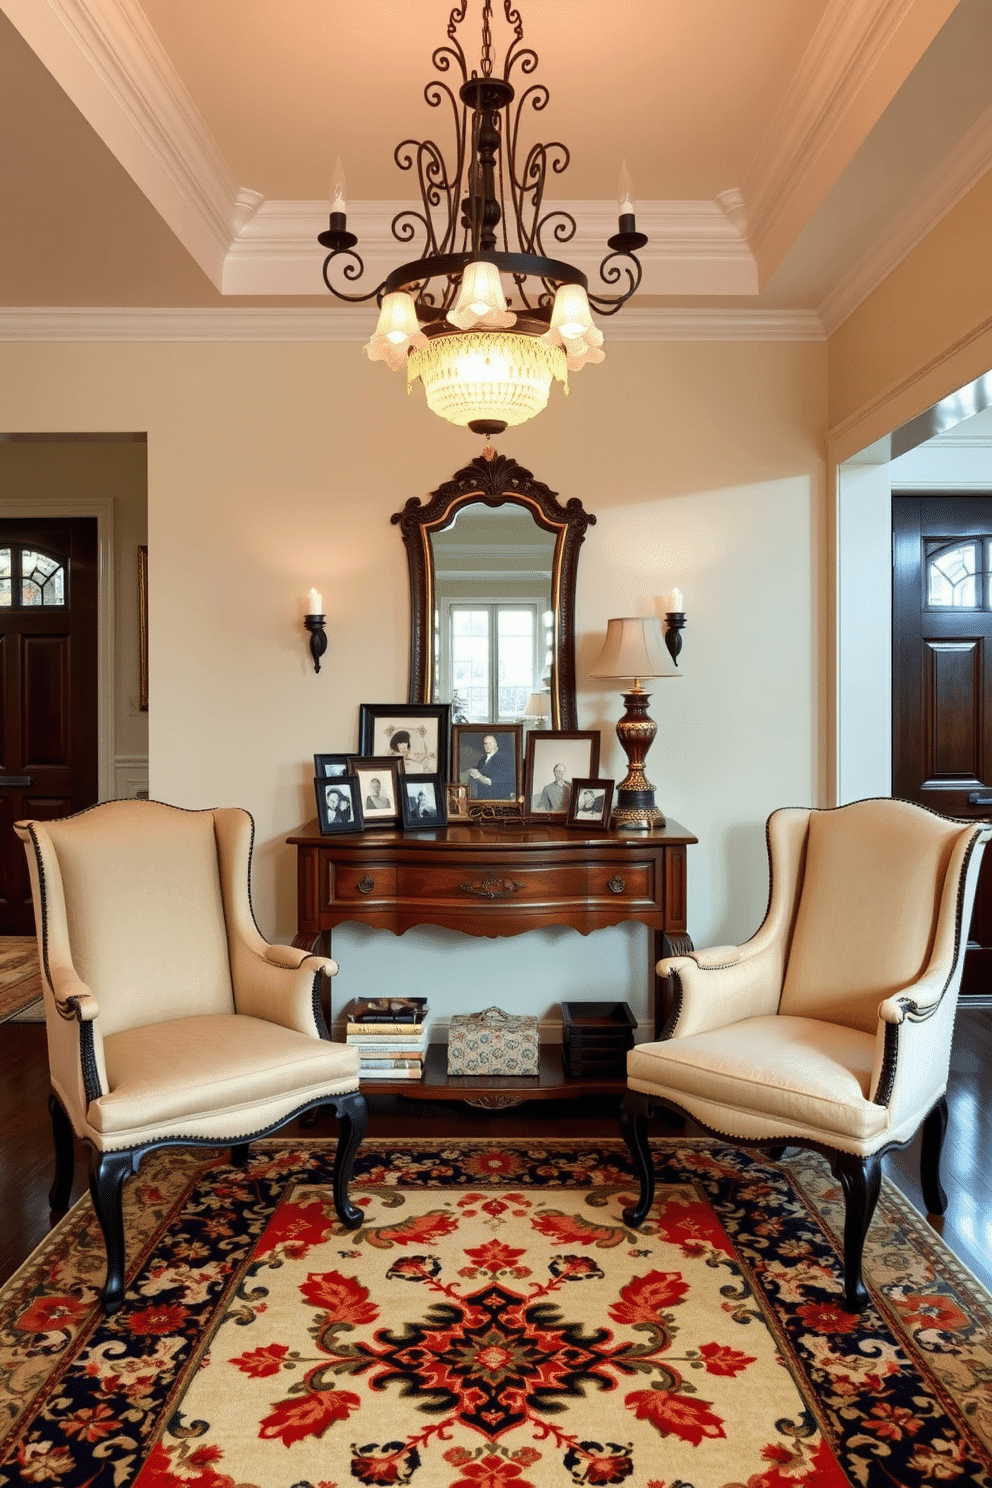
column 634, row 648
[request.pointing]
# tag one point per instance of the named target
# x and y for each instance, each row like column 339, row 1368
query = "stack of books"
column 391, row 1035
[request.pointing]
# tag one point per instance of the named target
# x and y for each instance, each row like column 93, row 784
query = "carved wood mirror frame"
column 494, row 480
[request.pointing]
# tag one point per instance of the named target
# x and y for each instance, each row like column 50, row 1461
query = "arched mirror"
column 493, row 557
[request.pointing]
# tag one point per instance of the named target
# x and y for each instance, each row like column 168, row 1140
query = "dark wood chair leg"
column 353, row 1113
column 934, row 1129
column 65, row 1157
column 239, row 1154
column 634, row 1127
column 107, row 1174
column 860, row 1178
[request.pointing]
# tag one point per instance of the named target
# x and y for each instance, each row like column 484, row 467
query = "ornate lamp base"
column 635, row 808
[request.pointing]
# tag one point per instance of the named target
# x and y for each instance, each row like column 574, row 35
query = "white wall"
column 275, row 467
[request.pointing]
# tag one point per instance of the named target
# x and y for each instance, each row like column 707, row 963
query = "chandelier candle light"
column 633, row 649
column 484, row 318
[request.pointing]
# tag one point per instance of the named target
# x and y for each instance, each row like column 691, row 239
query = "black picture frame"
column 427, row 727
column 596, row 813
column 547, row 749
column 417, row 792
column 328, row 791
column 468, row 756
column 330, row 765
column 382, row 770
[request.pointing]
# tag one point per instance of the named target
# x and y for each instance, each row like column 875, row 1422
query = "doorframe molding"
column 102, row 508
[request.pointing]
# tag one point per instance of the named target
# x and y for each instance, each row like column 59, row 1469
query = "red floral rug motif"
column 520, row 1340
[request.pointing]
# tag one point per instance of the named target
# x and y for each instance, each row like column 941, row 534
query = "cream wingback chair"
column 831, row 1028
column 170, row 1019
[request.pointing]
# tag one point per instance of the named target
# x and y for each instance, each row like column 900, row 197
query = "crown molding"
column 849, row 60
column 943, row 189
column 129, row 325
column 694, row 247
column 109, row 62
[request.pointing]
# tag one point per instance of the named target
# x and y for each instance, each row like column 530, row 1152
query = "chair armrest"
column 73, row 998
column 289, row 995
column 292, row 957
column 743, row 983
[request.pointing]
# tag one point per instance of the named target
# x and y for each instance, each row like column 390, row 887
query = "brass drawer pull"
column 492, row 887
column 617, row 885
column 365, row 885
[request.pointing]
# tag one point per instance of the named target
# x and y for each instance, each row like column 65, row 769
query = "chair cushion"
column 194, row 1068
column 872, row 885
column 798, row 1073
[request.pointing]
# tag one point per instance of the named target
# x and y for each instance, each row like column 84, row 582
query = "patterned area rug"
column 20, row 981
column 494, row 1324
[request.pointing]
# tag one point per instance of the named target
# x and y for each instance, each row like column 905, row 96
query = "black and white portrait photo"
column 423, row 801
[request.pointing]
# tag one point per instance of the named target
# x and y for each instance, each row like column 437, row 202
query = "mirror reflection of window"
column 493, row 657
column 493, row 619
column 954, row 578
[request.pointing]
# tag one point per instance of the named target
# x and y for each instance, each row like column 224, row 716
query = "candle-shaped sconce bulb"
column 339, row 188
column 625, row 192
column 674, row 623
column 315, row 603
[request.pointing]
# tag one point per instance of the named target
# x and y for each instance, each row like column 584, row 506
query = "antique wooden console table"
column 494, row 879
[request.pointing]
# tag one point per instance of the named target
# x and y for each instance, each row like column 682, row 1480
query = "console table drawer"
column 361, row 884
column 506, row 886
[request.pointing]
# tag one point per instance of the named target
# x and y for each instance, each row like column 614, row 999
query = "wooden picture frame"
column 339, row 806
column 458, row 802
column 330, row 765
column 589, row 803
column 556, row 758
column 423, row 802
column 499, row 783
column 416, row 735
column 143, row 629
column 378, row 787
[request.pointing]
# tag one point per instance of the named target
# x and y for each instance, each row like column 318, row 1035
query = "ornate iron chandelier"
column 484, row 318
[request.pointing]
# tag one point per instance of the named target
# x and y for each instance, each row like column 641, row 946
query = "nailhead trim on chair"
column 263, row 1131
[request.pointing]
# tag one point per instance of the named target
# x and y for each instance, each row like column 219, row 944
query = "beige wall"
column 275, row 467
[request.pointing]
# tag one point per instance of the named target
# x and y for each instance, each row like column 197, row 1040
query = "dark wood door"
column 48, row 687
column 942, row 676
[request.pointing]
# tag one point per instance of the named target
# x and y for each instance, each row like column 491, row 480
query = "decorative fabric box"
column 492, row 1043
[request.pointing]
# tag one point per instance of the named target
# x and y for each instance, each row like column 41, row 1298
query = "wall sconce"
column 633, row 650
column 314, row 622
column 674, row 624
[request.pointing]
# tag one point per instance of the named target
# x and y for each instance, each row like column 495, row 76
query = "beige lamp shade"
column 538, row 705
column 634, row 647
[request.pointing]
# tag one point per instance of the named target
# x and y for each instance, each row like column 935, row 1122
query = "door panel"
column 48, row 688
column 942, row 674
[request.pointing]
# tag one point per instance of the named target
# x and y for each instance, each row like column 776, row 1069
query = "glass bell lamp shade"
column 481, row 301
column 487, row 380
column 397, row 330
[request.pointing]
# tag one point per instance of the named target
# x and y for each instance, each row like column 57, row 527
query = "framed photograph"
column 423, row 801
column 555, row 760
column 414, row 734
column 330, row 764
column 485, row 758
column 589, row 803
column 339, row 807
column 378, row 788
column 458, row 802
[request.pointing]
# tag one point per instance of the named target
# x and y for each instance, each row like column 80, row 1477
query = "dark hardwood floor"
column 26, row 1151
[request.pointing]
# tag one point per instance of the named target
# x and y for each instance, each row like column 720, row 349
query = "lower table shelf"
column 496, row 1092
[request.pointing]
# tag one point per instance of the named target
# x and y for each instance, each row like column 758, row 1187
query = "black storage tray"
column 598, row 1024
